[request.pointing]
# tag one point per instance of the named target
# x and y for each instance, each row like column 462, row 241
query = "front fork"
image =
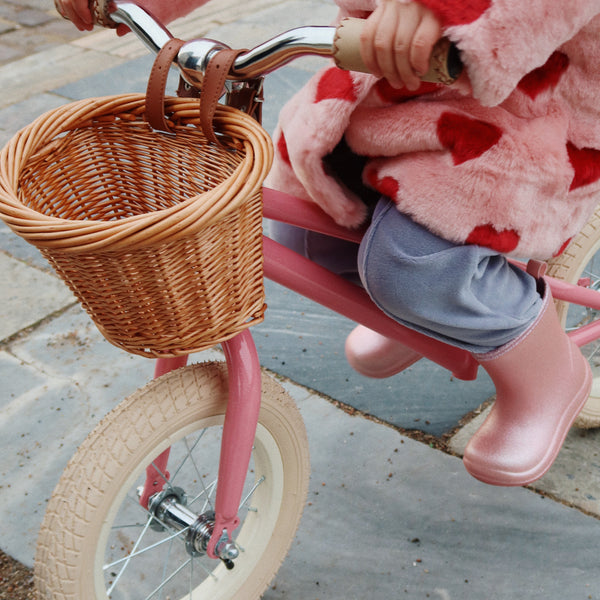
column 239, row 429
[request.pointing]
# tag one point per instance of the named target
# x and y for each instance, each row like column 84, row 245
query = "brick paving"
column 31, row 26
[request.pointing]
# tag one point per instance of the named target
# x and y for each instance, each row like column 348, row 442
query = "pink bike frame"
column 303, row 276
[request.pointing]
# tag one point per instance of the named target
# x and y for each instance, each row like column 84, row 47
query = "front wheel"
column 581, row 260
column 97, row 542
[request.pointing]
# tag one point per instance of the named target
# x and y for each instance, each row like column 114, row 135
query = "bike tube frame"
column 305, row 277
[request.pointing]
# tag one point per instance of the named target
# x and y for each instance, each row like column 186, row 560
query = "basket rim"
column 182, row 219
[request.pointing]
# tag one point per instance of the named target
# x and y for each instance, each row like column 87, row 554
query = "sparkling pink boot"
column 377, row 356
column 542, row 382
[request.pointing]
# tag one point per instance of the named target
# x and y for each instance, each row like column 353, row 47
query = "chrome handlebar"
column 194, row 56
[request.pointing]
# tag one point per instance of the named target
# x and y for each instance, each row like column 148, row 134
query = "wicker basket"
column 158, row 236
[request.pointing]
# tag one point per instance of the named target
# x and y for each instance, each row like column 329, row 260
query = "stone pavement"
column 31, row 26
column 396, row 518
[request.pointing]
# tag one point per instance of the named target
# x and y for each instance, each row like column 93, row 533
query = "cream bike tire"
column 91, row 544
column 581, row 259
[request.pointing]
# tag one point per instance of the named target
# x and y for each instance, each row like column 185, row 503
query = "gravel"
column 16, row 580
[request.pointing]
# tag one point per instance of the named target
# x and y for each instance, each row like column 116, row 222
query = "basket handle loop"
column 157, row 84
column 212, row 89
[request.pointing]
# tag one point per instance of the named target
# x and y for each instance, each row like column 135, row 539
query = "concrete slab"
column 20, row 249
column 67, row 63
column 16, row 116
column 27, row 295
column 388, row 517
column 574, row 477
column 38, row 73
column 57, row 383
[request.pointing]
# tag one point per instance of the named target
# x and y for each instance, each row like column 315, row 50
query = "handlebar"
column 341, row 43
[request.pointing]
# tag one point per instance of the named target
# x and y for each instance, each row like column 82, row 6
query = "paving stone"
column 575, row 475
column 27, row 295
column 16, row 116
column 57, row 383
column 8, row 11
column 6, row 26
column 46, row 5
column 387, row 517
column 33, row 18
column 8, row 53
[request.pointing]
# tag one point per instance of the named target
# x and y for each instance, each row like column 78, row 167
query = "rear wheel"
column 97, row 542
column 581, row 260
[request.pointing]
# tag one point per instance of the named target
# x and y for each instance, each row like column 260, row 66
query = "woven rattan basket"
column 158, row 236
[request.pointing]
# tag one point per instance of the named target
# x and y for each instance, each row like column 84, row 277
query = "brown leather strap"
column 212, row 89
column 157, row 84
column 248, row 98
column 185, row 90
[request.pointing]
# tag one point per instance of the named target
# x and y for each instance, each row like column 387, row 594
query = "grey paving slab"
column 575, row 475
column 130, row 77
column 55, row 64
column 390, row 518
column 36, row 295
column 57, row 383
column 260, row 26
column 20, row 249
column 305, row 342
column 387, row 517
column 16, row 116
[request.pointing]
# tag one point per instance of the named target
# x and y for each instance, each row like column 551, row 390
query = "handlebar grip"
column 445, row 65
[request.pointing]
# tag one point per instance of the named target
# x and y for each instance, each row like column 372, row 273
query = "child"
column 505, row 162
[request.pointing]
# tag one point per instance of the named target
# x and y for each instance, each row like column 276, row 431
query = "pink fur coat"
column 509, row 157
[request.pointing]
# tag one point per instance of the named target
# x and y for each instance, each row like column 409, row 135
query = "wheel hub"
column 169, row 509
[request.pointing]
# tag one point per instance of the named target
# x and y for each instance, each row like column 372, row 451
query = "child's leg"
column 474, row 298
column 465, row 295
column 339, row 256
column 542, row 382
column 369, row 353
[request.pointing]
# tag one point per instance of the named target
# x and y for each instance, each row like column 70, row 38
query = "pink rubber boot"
column 377, row 356
column 542, row 382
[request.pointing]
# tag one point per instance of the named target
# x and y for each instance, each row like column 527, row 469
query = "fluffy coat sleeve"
column 509, row 159
column 501, row 41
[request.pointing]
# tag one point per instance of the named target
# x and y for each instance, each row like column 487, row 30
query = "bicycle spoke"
column 201, row 480
column 594, row 352
column 251, row 492
column 162, row 585
column 206, row 491
column 166, row 564
column 144, row 550
column 189, row 453
column 131, row 526
column 128, row 558
column 138, row 506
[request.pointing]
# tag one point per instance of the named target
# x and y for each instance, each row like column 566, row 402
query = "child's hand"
column 397, row 41
column 77, row 11
column 165, row 11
